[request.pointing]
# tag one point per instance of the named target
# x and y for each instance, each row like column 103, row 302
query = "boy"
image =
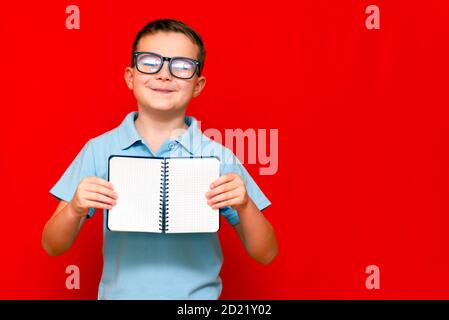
column 152, row 265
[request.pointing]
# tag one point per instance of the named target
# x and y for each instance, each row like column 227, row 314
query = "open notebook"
column 165, row 195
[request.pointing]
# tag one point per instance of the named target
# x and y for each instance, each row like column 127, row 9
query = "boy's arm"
column 255, row 232
column 61, row 230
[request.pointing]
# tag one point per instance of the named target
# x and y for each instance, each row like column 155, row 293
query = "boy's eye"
column 149, row 62
column 183, row 64
column 183, row 68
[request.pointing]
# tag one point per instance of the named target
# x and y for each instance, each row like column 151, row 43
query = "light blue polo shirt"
column 152, row 265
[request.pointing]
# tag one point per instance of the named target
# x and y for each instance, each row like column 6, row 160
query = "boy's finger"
column 223, row 179
column 98, row 205
column 225, row 203
column 222, row 197
column 220, row 189
column 103, row 190
column 101, row 182
column 98, row 197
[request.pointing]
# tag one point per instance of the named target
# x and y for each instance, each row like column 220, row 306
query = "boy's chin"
column 160, row 107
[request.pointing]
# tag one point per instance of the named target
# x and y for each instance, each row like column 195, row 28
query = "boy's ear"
column 129, row 77
column 199, row 86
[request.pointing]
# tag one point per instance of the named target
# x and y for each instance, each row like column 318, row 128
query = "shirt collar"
column 190, row 139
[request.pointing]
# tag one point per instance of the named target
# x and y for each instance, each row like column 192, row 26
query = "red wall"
column 363, row 130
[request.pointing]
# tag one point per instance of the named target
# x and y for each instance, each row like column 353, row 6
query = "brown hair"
column 171, row 25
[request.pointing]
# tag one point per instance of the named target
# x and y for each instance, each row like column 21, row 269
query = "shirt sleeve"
column 233, row 164
column 82, row 166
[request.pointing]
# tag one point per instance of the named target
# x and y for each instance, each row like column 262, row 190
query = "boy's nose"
column 164, row 73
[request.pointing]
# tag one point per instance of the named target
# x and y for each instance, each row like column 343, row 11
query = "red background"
column 362, row 118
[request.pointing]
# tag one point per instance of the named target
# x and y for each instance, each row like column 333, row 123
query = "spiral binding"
column 163, row 202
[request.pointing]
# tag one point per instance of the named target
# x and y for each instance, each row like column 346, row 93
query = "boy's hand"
column 228, row 190
column 93, row 192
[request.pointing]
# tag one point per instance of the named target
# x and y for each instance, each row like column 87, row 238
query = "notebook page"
column 189, row 180
column 137, row 183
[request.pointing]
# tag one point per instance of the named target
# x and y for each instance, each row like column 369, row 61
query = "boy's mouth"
column 162, row 90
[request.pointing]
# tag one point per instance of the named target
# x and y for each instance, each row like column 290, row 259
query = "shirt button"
column 171, row 146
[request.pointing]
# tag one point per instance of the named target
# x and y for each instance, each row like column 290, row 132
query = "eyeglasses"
column 180, row 67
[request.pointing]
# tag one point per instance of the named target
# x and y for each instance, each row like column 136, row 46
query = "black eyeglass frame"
column 136, row 54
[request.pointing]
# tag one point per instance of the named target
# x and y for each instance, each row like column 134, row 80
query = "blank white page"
column 137, row 183
column 189, row 180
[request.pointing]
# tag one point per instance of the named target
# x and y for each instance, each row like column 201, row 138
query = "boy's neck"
column 156, row 128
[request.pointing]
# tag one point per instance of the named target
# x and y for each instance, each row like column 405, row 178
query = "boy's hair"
column 171, row 25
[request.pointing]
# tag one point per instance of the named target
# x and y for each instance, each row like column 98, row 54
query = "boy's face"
column 162, row 91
